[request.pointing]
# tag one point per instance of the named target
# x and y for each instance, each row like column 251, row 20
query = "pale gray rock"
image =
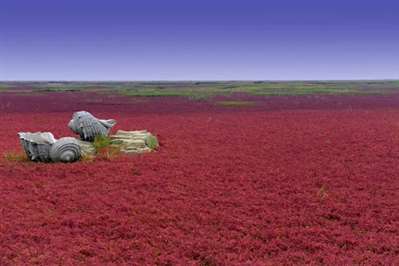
column 37, row 145
column 88, row 126
column 66, row 150
column 43, row 147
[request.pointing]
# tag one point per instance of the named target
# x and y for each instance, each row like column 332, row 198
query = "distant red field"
column 285, row 180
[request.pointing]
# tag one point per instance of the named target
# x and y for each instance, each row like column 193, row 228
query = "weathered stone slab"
column 87, row 148
column 126, row 141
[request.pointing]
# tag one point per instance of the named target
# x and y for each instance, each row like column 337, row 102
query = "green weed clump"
column 152, row 142
column 101, row 142
column 104, row 148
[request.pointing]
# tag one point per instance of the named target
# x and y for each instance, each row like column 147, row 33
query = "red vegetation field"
column 290, row 180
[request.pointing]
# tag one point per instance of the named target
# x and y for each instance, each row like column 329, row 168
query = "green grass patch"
column 66, row 86
column 202, row 91
column 4, row 87
column 195, row 94
column 296, row 88
column 101, row 142
column 196, row 91
column 104, row 148
column 55, row 89
column 236, row 103
column 152, row 142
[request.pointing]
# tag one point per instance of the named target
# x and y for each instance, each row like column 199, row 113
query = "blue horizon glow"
column 208, row 40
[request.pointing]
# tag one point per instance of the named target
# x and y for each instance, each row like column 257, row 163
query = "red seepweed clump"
column 290, row 180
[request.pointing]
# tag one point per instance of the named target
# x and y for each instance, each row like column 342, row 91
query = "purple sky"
column 198, row 40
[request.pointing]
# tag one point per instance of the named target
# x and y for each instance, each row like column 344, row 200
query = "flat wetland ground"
column 247, row 173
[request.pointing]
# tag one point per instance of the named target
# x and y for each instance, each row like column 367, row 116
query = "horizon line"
column 204, row 80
